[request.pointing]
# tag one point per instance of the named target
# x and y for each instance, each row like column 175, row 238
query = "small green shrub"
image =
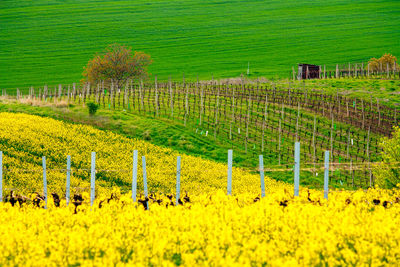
column 146, row 135
column 387, row 174
column 92, row 107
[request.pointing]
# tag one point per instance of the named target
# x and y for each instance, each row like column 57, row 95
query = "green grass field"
column 50, row 41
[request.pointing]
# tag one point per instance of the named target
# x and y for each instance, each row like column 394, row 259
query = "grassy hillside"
column 50, row 41
column 172, row 134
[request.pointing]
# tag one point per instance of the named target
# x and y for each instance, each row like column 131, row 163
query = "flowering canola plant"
column 210, row 229
column 351, row 228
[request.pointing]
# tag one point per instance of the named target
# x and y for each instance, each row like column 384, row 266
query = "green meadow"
column 49, row 42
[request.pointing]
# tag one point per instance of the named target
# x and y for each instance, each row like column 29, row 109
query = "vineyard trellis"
column 350, row 70
column 260, row 117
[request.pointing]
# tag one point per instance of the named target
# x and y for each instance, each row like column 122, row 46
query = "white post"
column 134, row 175
column 145, row 179
column 178, row 179
column 229, row 187
column 44, row 181
column 296, row 168
column 262, row 175
column 67, row 192
column 326, row 175
column 92, row 178
column 1, row 176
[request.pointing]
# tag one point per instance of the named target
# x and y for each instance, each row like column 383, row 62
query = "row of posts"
column 178, row 176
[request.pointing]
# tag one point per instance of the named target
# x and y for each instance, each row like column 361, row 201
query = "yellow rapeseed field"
column 209, row 229
column 24, row 139
column 352, row 228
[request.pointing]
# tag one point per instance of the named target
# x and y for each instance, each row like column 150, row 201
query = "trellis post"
column 262, row 176
column 67, row 193
column 296, row 168
column 145, row 180
column 134, row 175
column 229, row 187
column 92, row 178
column 326, row 175
column 178, row 180
column 44, row 181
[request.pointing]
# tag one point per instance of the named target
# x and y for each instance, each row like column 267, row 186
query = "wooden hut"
column 308, row 71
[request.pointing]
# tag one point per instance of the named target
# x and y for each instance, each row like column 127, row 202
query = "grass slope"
column 50, row 41
column 173, row 135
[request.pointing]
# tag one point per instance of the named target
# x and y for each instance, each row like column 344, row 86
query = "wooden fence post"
column 262, row 175
column 67, row 192
column 145, row 180
column 44, row 181
column 229, row 186
column 337, row 71
column 326, row 175
column 387, row 70
column 178, row 180
column 294, row 74
column 134, row 174
column 92, row 178
column 296, row 168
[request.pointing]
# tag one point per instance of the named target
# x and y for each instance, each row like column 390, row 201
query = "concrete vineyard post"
column 145, row 180
column 296, row 168
column 297, row 121
column 279, row 142
column 92, row 178
column 216, row 111
column 326, row 175
column 67, row 192
column 262, row 175
column 156, row 96
column 201, row 103
column 44, row 181
column 1, row 176
column 247, row 123
column 379, row 112
column 171, row 99
column 68, row 96
column 332, row 138
column 178, row 180
column 186, row 104
column 229, row 184
column 233, row 112
column 313, row 142
column 264, row 121
column 141, row 95
column 368, row 156
column 134, row 175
